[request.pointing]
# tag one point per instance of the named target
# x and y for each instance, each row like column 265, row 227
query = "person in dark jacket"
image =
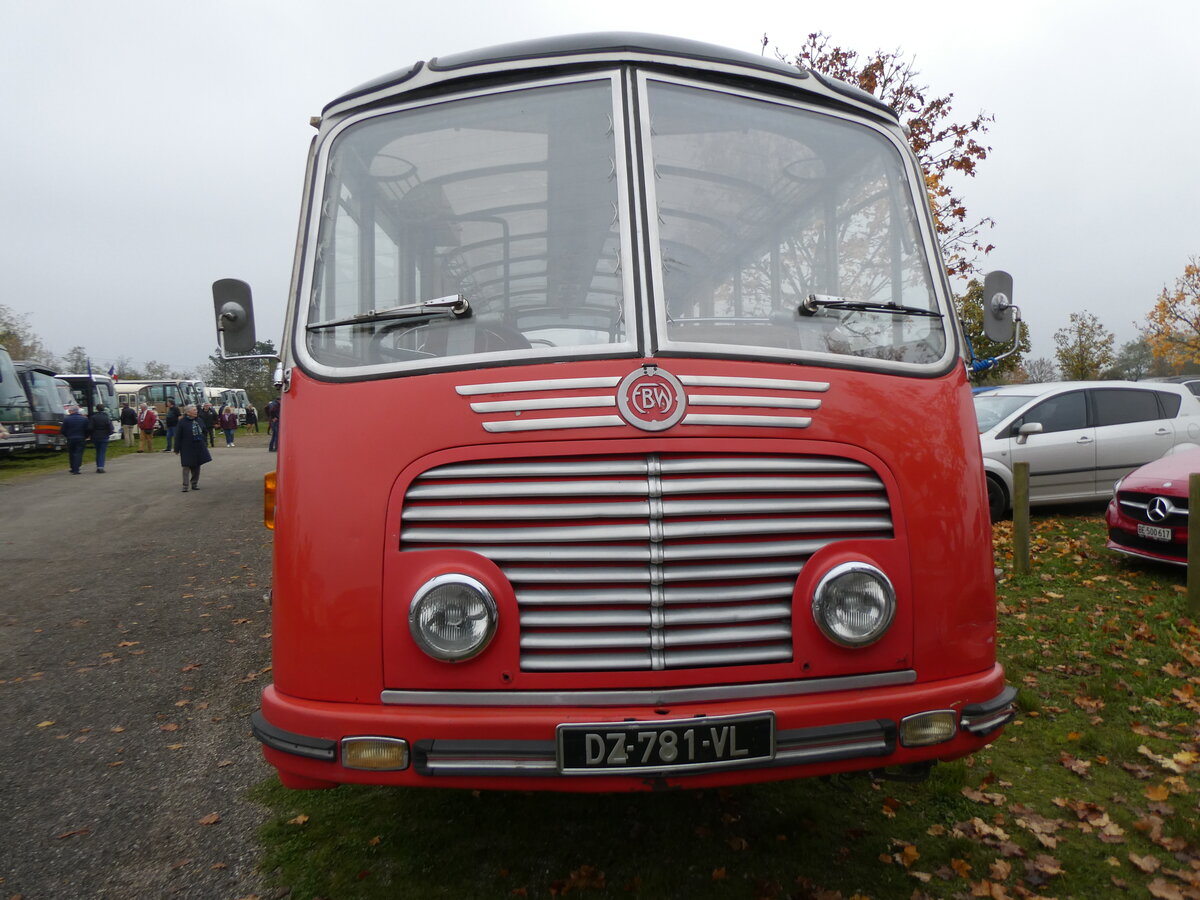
column 76, row 429
column 191, row 446
column 208, row 418
column 128, row 424
column 101, row 424
column 251, row 418
column 172, row 422
column 273, row 410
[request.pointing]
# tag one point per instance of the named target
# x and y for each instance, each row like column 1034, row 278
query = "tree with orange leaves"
column 1173, row 326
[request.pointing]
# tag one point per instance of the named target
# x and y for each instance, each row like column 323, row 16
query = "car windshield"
column 992, row 409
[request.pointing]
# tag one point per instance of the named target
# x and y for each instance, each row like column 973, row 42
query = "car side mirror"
column 1026, row 430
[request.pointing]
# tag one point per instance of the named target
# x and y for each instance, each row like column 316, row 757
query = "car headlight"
column 854, row 604
column 452, row 617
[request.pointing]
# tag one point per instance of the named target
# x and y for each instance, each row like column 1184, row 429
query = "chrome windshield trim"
column 650, row 697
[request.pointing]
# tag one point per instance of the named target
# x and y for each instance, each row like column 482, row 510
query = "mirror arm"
column 226, row 356
column 982, row 365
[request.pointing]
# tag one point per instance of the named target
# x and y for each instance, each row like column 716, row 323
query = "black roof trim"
column 611, row 42
column 575, row 45
column 854, row 92
column 398, row 77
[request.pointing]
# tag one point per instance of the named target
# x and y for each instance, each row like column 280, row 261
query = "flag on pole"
column 112, row 372
column 91, row 377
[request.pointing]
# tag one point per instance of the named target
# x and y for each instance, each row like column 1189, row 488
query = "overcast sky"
column 153, row 146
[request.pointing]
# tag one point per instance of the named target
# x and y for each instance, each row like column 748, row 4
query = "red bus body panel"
column 342, row 585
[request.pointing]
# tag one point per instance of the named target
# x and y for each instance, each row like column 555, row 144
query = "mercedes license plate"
column 678, row 744
column 1154, row 532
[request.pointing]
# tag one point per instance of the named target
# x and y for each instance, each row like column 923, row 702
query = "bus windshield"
column 14, row 404
column 781, row 230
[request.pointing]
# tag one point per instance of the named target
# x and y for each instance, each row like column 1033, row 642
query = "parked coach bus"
column 16, row 415
column 91, row 391
column 672, row 478
column 49, row 397
column 157, row 393
column 221, row 397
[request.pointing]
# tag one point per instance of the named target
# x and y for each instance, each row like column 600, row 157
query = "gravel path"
column 134, row 640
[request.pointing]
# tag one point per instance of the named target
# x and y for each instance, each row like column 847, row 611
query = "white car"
column 1079, row 437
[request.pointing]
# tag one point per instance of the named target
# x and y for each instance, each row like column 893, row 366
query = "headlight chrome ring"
column 452, row 617
column 854, row 604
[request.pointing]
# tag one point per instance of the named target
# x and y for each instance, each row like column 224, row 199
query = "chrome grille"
column 648, row 562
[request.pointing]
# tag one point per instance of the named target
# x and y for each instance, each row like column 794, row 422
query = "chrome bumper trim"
column 648, row 697
column 983, row 718
column 802, row 746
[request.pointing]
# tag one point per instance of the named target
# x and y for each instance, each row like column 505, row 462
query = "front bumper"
column 514, row 747
column 1123, row 538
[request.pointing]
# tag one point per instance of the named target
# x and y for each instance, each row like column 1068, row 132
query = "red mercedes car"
column 1148, row 514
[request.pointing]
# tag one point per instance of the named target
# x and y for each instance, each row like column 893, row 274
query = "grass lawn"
column 1092, row 792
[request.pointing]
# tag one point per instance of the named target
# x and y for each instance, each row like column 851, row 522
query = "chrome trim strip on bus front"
column 647, row 697
column 764, row 401
column 550, row 424
column 797, row 746
column 749, row 421
column 735, row 400
column 552, row 384
column 772, row 384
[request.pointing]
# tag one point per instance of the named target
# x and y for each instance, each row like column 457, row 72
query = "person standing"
column 147, row 421
column 171, row 420
column 101, row 424
column 128, row 424
column 208, row 419
column 191, row 447
column 76, row 429
column 251, row 418
column 229, row 424
column 273, row 410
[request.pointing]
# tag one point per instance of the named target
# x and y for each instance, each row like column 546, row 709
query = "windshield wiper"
column 813, row 303
column 455, row 306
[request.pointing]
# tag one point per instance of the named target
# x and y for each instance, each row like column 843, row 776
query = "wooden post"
column 1020, row 510
column 1193, row 544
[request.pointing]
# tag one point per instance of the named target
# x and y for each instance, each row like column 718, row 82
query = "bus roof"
column 597, row 49
column 31, row 365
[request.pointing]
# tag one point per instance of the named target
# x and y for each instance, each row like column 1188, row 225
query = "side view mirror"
column 1026, row 430
column 999, row 314
column 235, row 316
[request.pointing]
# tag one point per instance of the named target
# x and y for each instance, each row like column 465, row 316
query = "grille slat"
column 646, row 562
column 690, row 594
column 603, row 640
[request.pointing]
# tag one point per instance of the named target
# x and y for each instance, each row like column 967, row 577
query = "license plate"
column 1154, row 532
column 678, row 745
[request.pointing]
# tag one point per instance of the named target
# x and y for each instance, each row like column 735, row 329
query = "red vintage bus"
column 672, row 475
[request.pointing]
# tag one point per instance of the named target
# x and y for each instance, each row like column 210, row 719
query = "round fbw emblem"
column 651, row 399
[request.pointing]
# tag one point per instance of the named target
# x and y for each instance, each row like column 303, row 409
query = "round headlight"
column 853, row 604
column 452, row 617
